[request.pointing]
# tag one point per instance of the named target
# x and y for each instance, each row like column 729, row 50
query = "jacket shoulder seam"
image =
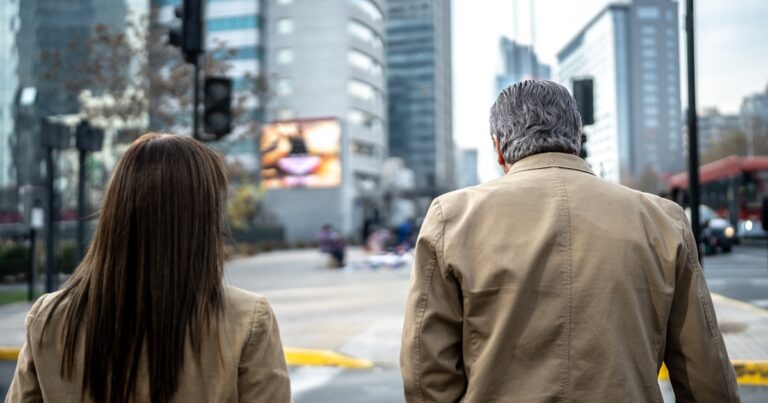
column 424, row 299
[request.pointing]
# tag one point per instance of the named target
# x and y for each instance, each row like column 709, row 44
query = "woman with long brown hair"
column 145, row 317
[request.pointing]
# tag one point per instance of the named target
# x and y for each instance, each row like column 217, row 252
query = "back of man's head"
column 533, row 117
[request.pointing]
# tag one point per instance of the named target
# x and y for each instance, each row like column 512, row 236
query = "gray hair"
column 535, row 116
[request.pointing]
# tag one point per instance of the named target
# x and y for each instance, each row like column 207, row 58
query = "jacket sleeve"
column 263, row 372
column 25, row 386
column 431, row 352
column 698, row 363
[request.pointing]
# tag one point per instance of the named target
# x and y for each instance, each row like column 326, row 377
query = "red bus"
column 734, row 187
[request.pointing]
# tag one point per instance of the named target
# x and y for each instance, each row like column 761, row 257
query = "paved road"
column 741, row 274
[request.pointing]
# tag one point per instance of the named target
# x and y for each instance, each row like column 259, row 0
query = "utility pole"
column 693, row 129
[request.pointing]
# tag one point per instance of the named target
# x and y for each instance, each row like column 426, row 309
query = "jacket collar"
column 550, row 160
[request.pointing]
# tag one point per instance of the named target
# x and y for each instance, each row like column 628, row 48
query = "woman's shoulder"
column 42, row 307
column 239, row 298
column 249, row 307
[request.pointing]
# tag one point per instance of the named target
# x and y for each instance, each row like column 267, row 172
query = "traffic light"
column 189, row 37
column 88, row 138
column 584, row 95
column 217, row 99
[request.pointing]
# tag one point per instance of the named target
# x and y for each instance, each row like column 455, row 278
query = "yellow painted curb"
column 9, row 353
column 294, row 356
column 748, row 373
column 305, row 356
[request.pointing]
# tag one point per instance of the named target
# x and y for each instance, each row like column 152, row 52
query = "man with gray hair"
column 550, row 284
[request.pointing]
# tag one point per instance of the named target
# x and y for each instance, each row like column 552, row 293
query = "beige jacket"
column 242, row 362
column 552, row 285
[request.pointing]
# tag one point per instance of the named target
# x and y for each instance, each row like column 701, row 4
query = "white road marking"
column 304, row 379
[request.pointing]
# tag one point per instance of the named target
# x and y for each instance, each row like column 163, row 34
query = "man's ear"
column 499, row 154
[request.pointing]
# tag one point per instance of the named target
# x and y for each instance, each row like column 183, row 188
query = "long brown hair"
column 152, row 277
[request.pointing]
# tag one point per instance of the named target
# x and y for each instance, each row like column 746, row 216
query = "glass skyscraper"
column 419, row 83
column 631, row 51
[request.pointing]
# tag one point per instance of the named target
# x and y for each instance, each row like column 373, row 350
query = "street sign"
column 54, row 135
column 37, row 220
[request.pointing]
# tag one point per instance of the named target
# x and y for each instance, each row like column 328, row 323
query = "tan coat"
column 552, row 285
column 242, row 362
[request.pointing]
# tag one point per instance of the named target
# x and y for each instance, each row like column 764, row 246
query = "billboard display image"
column 301, row 154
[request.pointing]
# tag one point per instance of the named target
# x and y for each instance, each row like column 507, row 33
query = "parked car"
column 716, row 232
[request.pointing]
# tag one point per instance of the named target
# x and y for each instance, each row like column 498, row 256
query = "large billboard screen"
column 301, row 154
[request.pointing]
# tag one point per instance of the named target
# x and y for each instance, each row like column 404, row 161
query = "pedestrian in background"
column 551, row 284
column 332, row 243
column 145, row 317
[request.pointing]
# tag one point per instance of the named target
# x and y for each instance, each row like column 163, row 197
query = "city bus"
column 733, row 187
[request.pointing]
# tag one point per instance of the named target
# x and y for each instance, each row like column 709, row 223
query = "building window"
column 649, row 53
column 365, row 34
column 648, row 30
column 284, row 86
column 362, row 148
column 650, row 122
column 648, row 41
column 284, row 26
column 285, row 114
column 365, row 119
column 362, row 90
column 284, row 56
column 365, row 62
column 648, row 12
column 232, row 23
column 370, row 8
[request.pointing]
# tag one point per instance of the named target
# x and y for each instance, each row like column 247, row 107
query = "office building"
column 468, row 168
column 712, row 126
column 631, row 51
column 419, row 83
column 42, row 54
column 325, row 59
column 519, row 62
column 9, row 83
column 753, row 117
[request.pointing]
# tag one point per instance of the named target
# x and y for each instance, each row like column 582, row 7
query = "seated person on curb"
column 551, row 284
column 145, row 317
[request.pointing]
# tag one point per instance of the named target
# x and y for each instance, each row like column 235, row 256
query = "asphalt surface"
column 741, row 274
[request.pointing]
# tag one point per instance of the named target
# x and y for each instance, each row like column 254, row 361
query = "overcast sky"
column 732, row 54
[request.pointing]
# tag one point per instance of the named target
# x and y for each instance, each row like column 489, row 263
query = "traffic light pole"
column 50, row 248
column 81, row 205
column 196, row 101
column 693, row 135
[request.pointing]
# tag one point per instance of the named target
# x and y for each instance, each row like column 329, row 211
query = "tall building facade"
column 631, row 51
column 519, row 62
column 9, row 84
column 325, row 58
column 43, row 48
column 468, row 168
column 712, row 126
column 419, row 83
column 753, row 117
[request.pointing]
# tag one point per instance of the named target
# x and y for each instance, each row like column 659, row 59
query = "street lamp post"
column 693, row 135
